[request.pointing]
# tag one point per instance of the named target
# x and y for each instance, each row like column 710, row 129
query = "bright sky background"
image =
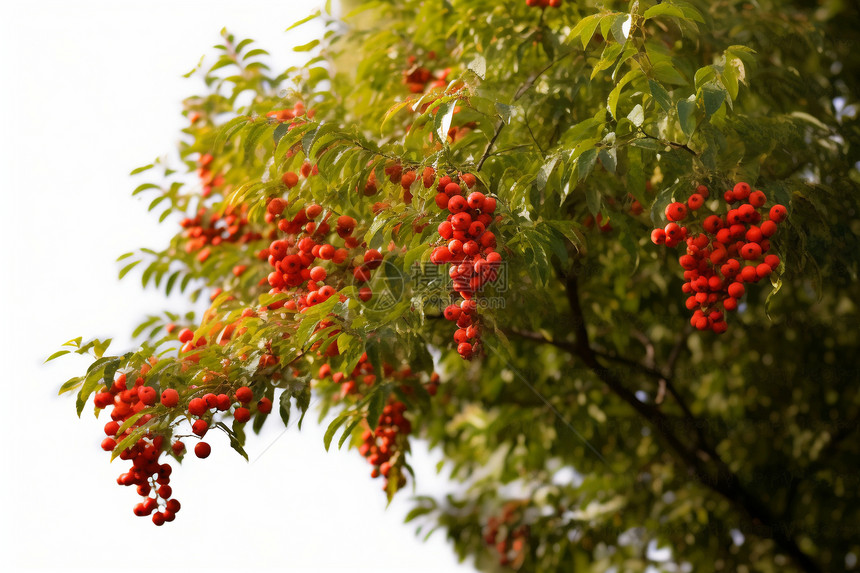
column 90, row 91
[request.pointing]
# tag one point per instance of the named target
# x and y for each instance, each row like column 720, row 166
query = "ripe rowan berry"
column 244, row 394
column 264, row 406
column 290, row 179
column 186, row 335
column 200, row 427
column 197, row 407
column 241, row 415
column 202, row 450
column 778, row 214
column 695, row 201
column 676, row 211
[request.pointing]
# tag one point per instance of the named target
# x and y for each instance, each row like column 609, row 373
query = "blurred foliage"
column 598, row 427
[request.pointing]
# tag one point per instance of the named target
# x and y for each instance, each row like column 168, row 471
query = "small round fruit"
column 202, row 450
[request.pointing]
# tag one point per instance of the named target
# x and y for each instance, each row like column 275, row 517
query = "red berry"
column 242, row 415
column 264, row 406
column 476, row 200
column 185, row 335
column 197, row 407
column 147, row 395
column 276, row 206
column 757, row 199
column 108, row 444
column 170, row 397
column 244, row 394
column 202, row 450
column 290, row 179
column 200, row 427
column 741, row 191
column 778, row 214
column 736, row 290
column 676, row 211
column 695, row 201
column 372, row 259
column 751, row 251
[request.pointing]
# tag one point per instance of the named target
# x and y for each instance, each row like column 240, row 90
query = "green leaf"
column 348, row 432
column 70, row 384
column 608, row 158
column 56, row 355
column 713, row 99
column 417, row 512
column 307, row 47
column 612, row 100
column 479, row 66
column 661, row 96
column 585, row 28
column 585, row 164
column 442, row 123
column 144, row 187
column 593, row 199
column 545, row 171
column 375, row 406
column 142, row 169
column 664, row 10
column 332, row 429
column 686, row 115
column 285, row 404
column 637, row 115
column 621, row 27
column 315, row 14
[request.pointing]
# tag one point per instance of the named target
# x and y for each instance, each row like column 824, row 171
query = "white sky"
column 91, row 90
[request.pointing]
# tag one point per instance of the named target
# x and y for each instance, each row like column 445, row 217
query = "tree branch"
column 720, row 479
column 521, row 91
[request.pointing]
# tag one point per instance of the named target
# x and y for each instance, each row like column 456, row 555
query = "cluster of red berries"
column 384, row 446
column 729, row 251
column 469, row 249
column 209, row 179
column 290, row 114
column 294, row 258
column 543, row 3
column 202, row 409
column 419, row 79
column 151, row 477
column 359, row 380
column 508, row 535
column 210, row 229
